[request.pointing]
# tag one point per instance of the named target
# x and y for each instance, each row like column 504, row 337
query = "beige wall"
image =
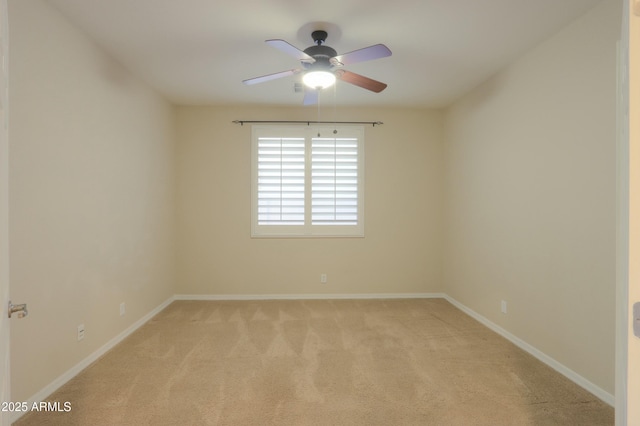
column 530, row 196
column 401, row 251
column 91, row 196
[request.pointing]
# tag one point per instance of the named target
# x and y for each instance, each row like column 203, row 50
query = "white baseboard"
column 71, row 373
column 308, row 296
column 560, row 368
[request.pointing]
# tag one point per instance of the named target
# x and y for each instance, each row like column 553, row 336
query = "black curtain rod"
column 308, row 123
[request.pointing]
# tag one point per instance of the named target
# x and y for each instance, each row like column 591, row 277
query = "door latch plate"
column 636, row 319
column 21, row 310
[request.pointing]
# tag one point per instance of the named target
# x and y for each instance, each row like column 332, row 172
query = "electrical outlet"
column 323, row 278
column 80, row 332
column 122, row 309
column 503, row 306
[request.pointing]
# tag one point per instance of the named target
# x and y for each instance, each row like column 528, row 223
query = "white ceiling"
column 199, row 51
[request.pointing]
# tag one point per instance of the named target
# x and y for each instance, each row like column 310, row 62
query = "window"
column 307, row 181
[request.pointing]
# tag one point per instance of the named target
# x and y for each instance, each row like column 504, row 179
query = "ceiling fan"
column 322, row 65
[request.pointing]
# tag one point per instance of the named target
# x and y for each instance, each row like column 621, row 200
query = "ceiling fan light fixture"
column 319, row 79
column 321, row 66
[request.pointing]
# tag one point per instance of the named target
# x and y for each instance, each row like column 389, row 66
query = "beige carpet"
column 320, row 362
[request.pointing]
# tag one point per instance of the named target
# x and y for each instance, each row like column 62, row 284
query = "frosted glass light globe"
column 319, row 79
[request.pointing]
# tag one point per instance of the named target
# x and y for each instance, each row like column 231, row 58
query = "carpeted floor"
column 320, row 362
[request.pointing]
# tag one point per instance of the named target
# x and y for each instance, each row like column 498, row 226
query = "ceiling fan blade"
column 291, row 50
column 360, row 80
column 269, row 77
column 310, row 97
column 376, row 51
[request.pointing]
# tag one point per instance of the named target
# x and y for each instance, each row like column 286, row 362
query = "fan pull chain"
column 335, row 114
column 318, row 90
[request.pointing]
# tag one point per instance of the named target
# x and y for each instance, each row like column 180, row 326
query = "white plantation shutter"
column 334, row 181
column 281, row 181
column 307, row 181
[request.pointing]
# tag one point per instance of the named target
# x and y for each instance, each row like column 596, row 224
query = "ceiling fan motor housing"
column 321, row 54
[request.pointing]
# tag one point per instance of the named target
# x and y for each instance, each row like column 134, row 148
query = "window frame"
column 308, row 229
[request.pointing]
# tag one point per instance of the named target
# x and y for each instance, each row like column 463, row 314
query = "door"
column 633, row 290
column 5, row 395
